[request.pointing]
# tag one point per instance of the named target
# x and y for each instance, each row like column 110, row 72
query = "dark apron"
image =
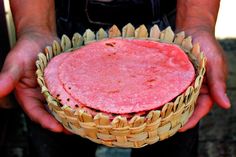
column 77, row 15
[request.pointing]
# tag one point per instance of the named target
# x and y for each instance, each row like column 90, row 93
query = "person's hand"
column 214, row 85
column 19, row 73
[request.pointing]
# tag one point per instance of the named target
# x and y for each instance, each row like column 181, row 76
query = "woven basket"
column 139, row 130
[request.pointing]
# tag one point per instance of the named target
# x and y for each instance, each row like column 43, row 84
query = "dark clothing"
column 48, row 144
column 77, row 15
column 44, row 143
column 180, row 145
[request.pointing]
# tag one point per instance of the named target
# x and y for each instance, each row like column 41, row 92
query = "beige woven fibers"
column 139, row 130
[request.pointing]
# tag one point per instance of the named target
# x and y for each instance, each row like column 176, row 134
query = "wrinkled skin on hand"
column 214, row 85
column 19, row 73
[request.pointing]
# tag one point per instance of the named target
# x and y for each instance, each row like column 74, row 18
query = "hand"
column 19, row 73
column 214, row 85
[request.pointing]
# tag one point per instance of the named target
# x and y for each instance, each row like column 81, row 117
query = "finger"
column 38, row 114
column 217, row 86
column 34, row 108
column 203, row 106
column 204, row 89
column 9, row 77
column 65, row 131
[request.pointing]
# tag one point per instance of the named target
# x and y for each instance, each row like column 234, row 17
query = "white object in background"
column 10, row 24
column 226, row 23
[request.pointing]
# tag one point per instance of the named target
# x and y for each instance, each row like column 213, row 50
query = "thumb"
column 218, row 92
column 216, row 79
column 10, row 75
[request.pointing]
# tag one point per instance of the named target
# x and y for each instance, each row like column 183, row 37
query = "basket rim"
column 120, row 122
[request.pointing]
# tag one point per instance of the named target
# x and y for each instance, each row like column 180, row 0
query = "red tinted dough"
column 120, row 75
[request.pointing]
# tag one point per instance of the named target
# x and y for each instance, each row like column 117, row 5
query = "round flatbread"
column 120, row 76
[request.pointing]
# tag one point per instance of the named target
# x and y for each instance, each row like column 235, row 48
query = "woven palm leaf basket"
column 137, row 130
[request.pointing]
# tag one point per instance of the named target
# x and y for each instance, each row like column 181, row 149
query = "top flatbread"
column 120, row 75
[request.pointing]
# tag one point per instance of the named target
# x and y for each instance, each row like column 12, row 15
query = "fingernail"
column 56, row 127
column 227, row 101
column 181, row 130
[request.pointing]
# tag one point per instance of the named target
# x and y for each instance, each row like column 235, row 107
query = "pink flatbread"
column 54, row 84
column 120, row 76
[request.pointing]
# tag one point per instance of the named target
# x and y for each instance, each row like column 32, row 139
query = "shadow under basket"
column 139, row 130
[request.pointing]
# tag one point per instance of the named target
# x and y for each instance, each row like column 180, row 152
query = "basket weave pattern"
column 139, row 130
